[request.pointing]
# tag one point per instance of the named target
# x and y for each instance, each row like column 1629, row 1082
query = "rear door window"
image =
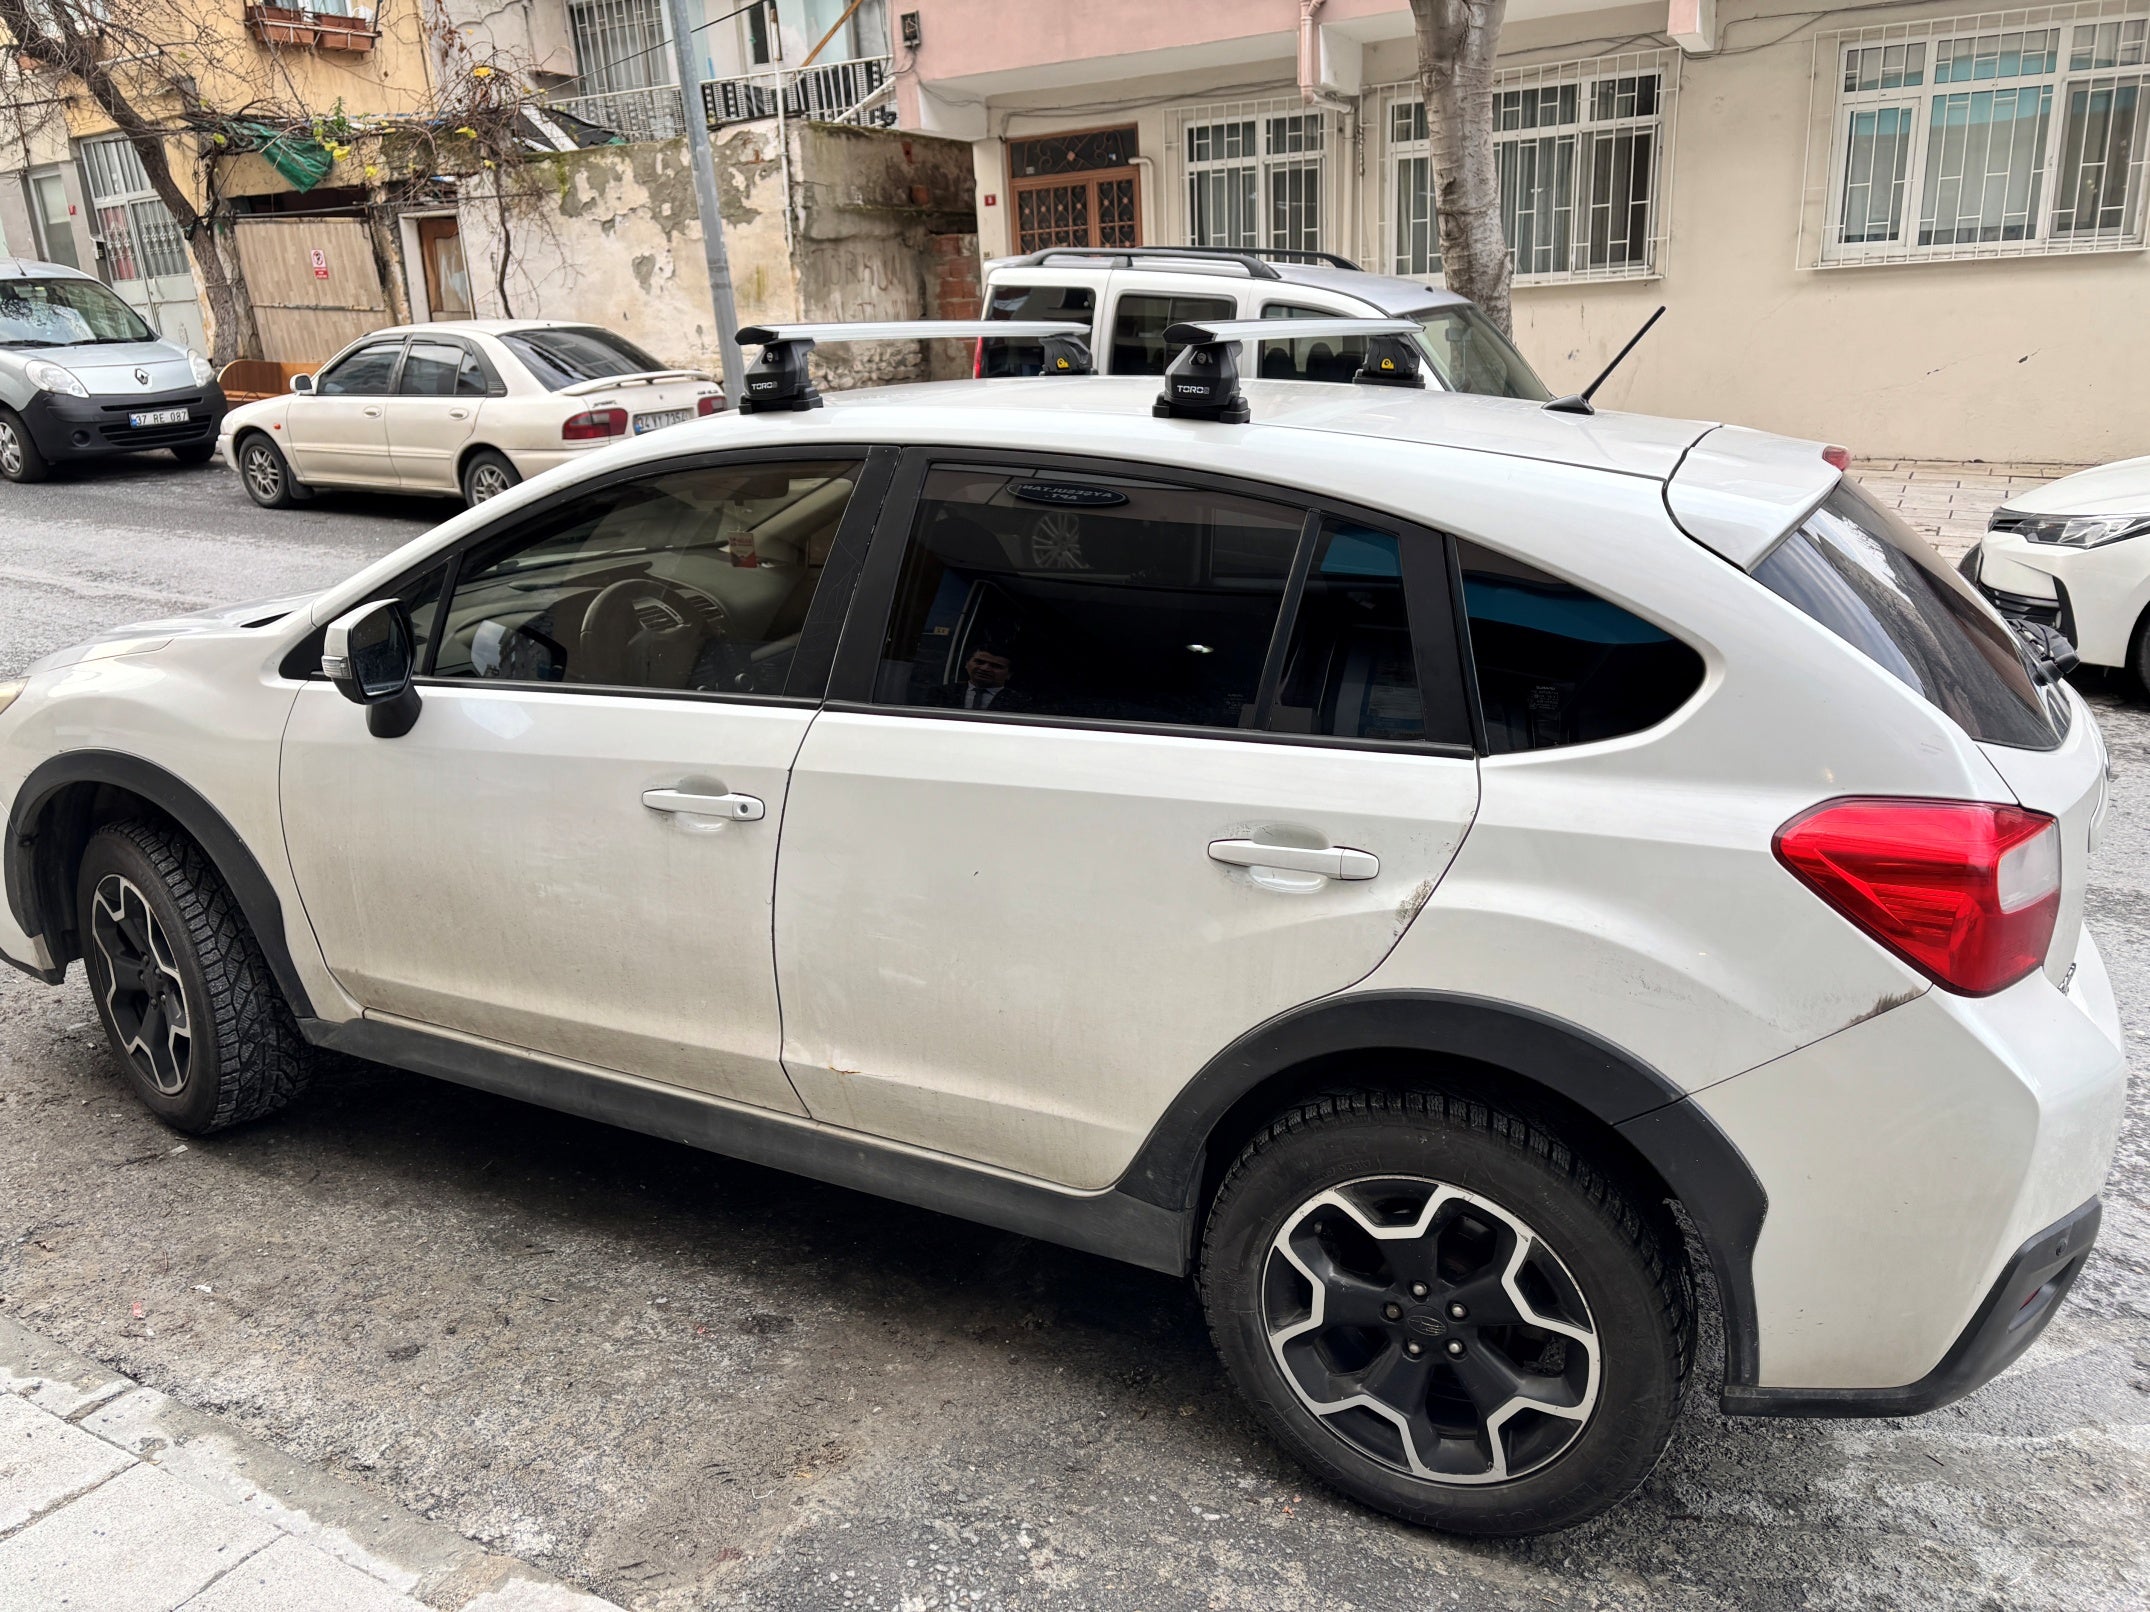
column 1325, row 358
column 1557, row 665
column 1856, row 568
column 574, row 354
column 1140, row 320
column 1011, row 355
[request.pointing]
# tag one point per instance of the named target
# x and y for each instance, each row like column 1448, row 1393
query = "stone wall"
column 823, row 222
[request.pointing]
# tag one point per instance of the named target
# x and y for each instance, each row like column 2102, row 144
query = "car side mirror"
column 303, row 385
column 370, row 656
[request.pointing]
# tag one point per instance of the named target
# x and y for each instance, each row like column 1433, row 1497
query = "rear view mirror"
column 302, row 384
column 370, row 656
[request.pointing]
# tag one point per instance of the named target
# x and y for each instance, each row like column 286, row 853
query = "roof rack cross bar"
column 1202, row 383
column 779, row 378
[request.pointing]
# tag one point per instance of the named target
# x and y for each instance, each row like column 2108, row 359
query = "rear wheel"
column 266, row 473
column 181, row 985
column 1446, row 1312
column 19, row 458
column 487, row 474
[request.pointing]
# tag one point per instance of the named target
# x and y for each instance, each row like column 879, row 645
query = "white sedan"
column 465, row 408
column 2075, row 556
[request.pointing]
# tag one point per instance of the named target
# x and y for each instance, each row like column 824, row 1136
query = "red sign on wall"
column 320, row 264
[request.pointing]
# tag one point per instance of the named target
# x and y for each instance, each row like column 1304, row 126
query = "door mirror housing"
column 371, row 657
column 303, row 385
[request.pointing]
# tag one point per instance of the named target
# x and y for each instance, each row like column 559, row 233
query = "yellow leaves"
column 373, row 171
column 481, row 72
column 467, row 132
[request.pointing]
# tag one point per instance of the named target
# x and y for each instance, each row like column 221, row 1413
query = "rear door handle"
column 738, row 808
column 372, row 413
column 1337, row 862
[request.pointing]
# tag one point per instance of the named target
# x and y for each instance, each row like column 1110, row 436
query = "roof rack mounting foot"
column 778, row 379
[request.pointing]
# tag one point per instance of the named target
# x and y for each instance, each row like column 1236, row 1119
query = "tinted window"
column 1055, row 595
column 65, row 313
column 366, row 373
column 1558, row 665
column 695, row 580
column 1010, row 356
column 441, row 369
column 1470, row 355
column 1349, row 670
column 1325, row 358
column 1139, row 322
column 1866, row 576
column 568, row 357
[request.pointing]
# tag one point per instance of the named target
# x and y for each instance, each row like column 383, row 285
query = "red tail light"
column 1965, row 893
column 1840, row 458
column 977, row 360
column 710, row 404
column 595, row 426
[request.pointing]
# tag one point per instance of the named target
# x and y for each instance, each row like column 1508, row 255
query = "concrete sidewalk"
column 116, row 1498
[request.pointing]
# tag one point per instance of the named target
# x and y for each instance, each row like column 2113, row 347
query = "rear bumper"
column 75, row 428
column 2015, row 1312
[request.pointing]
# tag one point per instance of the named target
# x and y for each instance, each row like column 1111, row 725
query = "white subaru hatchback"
column 1453, row 876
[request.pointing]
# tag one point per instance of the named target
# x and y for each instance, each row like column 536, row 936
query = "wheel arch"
column 67, row 798
column 471, row 449
column 1641, row 1126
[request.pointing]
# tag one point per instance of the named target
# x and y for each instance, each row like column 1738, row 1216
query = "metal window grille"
column 142, row 242
column 1583, row 150
column 1257, row 174
column 2004, row 134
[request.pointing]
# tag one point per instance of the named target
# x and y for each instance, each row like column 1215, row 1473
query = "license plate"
column 159, row 417
column 661, row 419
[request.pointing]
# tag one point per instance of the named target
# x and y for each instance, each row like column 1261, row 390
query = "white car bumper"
column 2097, row 595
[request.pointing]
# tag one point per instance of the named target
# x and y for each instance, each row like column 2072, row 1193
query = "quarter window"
column 366, row 373
column 1349, row 671
column 1045, row 594
column 1139, row 323
column 698, row 580
column 1557, row 665
column 1958, row 138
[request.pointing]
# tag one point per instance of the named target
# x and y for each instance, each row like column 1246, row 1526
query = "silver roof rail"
column 778, row 378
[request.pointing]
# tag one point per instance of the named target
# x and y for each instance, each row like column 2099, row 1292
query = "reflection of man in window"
column 986, row 676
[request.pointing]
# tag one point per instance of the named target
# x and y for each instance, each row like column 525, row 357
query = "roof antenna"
column 1579, row 402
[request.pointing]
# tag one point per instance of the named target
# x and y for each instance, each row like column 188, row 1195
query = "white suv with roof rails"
column 1129, row 297
column 1451, row 876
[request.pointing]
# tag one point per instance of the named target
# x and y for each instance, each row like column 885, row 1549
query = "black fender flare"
column 1700, row 1164
column 31, row 900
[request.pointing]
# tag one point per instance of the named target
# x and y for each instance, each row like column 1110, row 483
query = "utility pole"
column 705, row 196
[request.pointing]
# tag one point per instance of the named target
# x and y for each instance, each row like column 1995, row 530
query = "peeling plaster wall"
column 610, row 235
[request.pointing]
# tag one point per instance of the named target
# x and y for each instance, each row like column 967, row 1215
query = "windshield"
column 1471, row 355
column 65, row 313
column 568, row 357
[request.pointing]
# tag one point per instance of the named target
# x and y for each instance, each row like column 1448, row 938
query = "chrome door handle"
column 371, row 413
column 738, row 808
column 1337, row 862
column 459, row 414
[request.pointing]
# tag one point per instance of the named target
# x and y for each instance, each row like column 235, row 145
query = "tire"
column 266, row 473
column 20, row 459
column 1303, row 1198
column 198, row 453
column 2139, row 656
column 187, row 999
column 487, row 474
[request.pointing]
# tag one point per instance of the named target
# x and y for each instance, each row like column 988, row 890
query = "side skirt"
column 1110, row 1223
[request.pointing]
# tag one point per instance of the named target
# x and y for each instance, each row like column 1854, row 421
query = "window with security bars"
column 1962, row 139
column 141, row 239
column 1255, row 178
column 1580, row 148
column 1075, row 190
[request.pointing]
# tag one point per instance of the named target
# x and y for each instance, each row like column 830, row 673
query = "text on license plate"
column 659, row 420
column 159, row 417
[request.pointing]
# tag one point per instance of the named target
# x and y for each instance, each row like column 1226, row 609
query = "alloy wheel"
column 264, row 476
column 1431, row 1329
column 10, row 450
column 1056, row 542
column 487, row 481
column 143, row 992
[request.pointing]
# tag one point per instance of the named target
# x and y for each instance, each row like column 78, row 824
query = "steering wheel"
column 621, row 643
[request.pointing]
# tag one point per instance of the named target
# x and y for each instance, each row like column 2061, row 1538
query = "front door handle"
column 1337, row 862
column 458, row 414
column 738, row 808
column 371, row 412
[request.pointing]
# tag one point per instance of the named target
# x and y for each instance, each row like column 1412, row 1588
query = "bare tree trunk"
column 1457, row 42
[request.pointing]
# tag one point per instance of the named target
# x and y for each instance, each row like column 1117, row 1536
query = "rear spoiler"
column 651, row 377
column 1737, row 492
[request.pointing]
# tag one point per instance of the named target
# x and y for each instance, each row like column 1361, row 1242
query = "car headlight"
column 9, row 690
column 204, row 371
column 2082, row 531
column 47, row 377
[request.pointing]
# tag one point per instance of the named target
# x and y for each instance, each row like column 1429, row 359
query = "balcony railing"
column 841, row 92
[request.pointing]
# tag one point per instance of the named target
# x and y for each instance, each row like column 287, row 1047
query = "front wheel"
column 266, row 474
column 488, row 475
column 20, row 459
column 184, row 992
column 1446, row 1312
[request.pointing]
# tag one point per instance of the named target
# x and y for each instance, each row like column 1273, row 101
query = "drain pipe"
column 1309, row 52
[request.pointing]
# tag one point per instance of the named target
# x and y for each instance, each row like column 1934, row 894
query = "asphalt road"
column 689, row 1383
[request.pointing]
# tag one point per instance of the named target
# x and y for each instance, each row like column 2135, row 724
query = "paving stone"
column 289, row 1576
column 142, row 1542
column 44, row 1462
